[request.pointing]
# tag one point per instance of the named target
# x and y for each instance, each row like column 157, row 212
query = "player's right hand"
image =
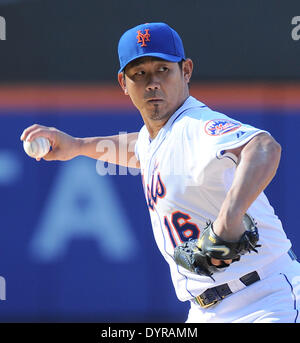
column 64, row 147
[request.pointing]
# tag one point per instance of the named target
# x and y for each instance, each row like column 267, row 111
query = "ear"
column 187, row 68
column 122, row 82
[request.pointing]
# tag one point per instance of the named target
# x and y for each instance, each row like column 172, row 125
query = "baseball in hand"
column 38, row 148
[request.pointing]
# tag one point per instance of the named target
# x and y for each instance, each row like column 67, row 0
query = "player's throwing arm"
column 65, row 147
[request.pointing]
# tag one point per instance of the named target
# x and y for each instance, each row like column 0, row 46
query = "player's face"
column 156, row 87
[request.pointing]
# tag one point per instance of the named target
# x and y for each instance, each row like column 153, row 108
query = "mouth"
column 154, row 100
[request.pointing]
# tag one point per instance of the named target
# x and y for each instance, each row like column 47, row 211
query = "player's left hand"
column 219, row 263
column 236, row 230
column 207, row 254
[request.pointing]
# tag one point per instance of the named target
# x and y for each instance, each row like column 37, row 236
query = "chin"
column 160, row 116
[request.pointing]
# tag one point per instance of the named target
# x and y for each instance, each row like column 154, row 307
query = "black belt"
column 215, row 294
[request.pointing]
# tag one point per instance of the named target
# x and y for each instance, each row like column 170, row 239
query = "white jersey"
column 186, row 175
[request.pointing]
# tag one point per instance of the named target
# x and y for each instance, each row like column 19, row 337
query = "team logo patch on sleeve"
column 218, row 127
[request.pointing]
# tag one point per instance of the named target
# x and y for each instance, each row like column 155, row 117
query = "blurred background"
column 76, row 246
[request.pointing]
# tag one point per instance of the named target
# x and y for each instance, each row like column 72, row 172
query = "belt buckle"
column 200, row 301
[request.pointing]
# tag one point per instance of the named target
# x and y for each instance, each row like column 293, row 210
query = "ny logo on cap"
column 143, row 37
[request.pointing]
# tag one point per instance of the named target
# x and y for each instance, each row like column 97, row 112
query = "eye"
column 139, row 73
column 163, row 69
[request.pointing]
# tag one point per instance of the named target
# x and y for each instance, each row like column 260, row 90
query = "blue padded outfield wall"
column 77, row 246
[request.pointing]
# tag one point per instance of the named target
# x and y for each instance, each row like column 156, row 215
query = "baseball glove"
column 195, row 255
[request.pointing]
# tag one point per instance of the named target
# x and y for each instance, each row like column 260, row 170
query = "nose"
column 153, row 83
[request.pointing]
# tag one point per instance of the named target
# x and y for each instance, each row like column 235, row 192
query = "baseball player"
column 204, row 176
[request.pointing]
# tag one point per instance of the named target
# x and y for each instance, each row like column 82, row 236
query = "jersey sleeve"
column 223, row 133
column 208, row 136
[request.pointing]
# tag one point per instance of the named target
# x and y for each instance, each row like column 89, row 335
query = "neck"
column 154, row 127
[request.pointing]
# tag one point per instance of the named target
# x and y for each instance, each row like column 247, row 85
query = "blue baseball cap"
column 150, row 39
